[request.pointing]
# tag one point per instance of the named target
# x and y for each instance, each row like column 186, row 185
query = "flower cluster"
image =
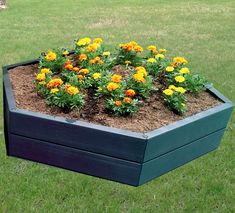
column 124, row 80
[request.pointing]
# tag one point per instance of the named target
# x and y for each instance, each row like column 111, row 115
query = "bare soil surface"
column 151, row 115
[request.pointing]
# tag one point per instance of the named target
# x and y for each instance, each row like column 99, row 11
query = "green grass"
column 201, row 31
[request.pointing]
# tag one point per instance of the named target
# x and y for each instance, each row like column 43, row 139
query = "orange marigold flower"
column 127, row 100
column 80, row 77
column 155, row 52
column 76, row 69
column 50, row 56
column 130, row 92
column 69, row 66
column 116, row 78
column 138, row 49
column 92, row 47
column 54, row 83
column 67, row 62
column 82, row 57
column 112, row 86
column 72, row 90
column 67, row 86
column 118, row 103
column 84, row 71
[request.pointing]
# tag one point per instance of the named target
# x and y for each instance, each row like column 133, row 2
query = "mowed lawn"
column 202, row 31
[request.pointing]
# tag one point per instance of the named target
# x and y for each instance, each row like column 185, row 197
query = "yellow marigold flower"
column 50, row 56
column 98, row 40
column 41, row 76
column 65, row 53
column 45, row 70
column 170, row 69
column 106, row 54
column 172, row 87
column 96, row 75
column 118, row 103
column 82, row 57
column 184, row 70
column 151, row 60
column 138, row 49
column 55, row 90
column 83, row 41
column 84, row 71
column 127, row 62
column 112, row 86
column 116, row 78
column 168, row 92
column 141, row 70
column 180, row 60
column 159, row 56
column 42, row 82
column 127, row 100
column 72, row 90
column 152, row 48
column 76, row 69
column 80, row 77
column 92, row 47
column 179, row 78
column 162, row 50
column 130, row 92
column 54, row 83
column 97, row 58
column 92, row 61
column 133, row 43
column 180, row 89
column 69, row 66
column 139, row 77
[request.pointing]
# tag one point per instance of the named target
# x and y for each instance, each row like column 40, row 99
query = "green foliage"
column 54, row 60
column 176, row 102
column 195, row 83
column 64, row 100
column 121, row 106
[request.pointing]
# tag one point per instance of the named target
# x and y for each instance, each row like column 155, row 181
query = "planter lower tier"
column 115, row 154
column 119, row 170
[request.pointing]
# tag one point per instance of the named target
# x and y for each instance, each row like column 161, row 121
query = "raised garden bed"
column 121, row 117
column 115, row 154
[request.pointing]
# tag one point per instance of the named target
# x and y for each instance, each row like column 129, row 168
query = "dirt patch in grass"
column 151, row 115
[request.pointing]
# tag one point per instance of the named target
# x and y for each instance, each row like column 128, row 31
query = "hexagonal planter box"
column 110, row 153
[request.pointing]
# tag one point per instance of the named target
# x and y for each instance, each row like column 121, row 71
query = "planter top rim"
column 141, row 135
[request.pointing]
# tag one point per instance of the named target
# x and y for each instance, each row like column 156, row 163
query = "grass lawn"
column 201, row 31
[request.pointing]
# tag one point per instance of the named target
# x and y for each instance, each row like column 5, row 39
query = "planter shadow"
column 110, row 153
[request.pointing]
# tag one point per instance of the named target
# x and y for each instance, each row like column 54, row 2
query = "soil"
column 151, row 115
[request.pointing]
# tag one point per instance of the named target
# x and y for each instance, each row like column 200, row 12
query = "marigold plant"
column 124, row 79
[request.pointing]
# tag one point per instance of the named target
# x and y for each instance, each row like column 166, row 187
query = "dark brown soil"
column 151, row 115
